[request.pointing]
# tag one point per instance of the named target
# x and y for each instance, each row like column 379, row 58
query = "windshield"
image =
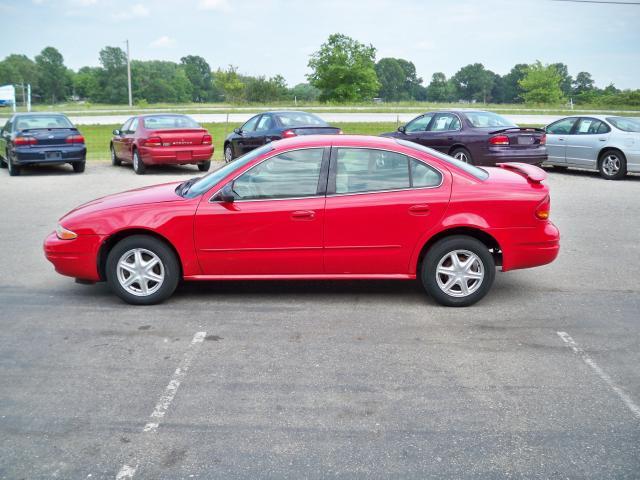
column 292, row 119
column 208, row 181
column 479, row 173
column 32, row 122
column 488, row 119
column 160, row 122
column 627, row 124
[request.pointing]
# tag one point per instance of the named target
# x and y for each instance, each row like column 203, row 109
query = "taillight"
column 499, row 140
column 543, row 208
column 207, row 140
column 153, row 142
column 543, row 139
column 74, row 139
column 25, row 141
column 288, row 134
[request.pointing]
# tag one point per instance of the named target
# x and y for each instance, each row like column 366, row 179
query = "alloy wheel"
column 462, row 157
column 140, row 272
column 460, row 273
column 228, row 155
column 611, row 165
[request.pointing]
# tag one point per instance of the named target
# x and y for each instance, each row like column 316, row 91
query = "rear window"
column 32, row 122
column 293, row 119
column 488, row 119
column 160, row 122
column 479, row 173
column 627, row 124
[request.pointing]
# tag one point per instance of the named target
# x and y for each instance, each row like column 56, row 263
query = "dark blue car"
column 38, row 138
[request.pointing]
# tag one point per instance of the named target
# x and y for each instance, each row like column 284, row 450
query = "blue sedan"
column 38, row 138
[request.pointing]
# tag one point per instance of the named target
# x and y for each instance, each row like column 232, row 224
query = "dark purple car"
column 476, row 137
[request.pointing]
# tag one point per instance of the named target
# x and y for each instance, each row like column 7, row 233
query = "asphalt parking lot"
column 322, row 380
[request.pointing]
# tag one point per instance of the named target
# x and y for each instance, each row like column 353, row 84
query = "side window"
column 7, row 127
column 423, row 175
column 561, row 127
column 368, row 170
column 445, row 122
column 591, row 126
column 288, row 175
column 418, row 124
column 134, row 126
column 264, row 124
column 251, row 124
column 125, row 127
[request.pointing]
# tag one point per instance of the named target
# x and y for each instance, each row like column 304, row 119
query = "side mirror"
column 225, row 195
column 402, row 129
column 238, row 131
column 117, row 132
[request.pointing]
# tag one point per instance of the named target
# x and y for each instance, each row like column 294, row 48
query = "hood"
column 140, row 196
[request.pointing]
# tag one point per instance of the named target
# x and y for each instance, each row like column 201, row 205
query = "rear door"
column 588, row 138
column 379, row 204
column 558, row 134
column 443, row 131
column 275, row 224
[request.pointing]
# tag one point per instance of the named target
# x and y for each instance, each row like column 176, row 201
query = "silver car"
column 605, row 143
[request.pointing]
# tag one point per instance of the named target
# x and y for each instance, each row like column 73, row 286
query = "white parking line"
column 624, row 396
column 128, row 471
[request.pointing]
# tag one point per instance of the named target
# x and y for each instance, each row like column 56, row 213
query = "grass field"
column 97, row 137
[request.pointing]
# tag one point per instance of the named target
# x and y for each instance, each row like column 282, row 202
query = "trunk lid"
column 517, row 137
column 180, row 137
column 49, row 136
column 315, row 130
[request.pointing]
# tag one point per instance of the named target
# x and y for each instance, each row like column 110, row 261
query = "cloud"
column 163, row 42
column 135, row 11
column 219, row 5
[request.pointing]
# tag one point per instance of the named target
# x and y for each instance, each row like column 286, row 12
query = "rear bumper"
column 176, row 155
column 528, row 247
column 76, row 258
column 532, row 156
column 65, row 154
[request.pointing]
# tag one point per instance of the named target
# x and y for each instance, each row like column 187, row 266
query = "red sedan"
column 161, row 139
column 317, row 207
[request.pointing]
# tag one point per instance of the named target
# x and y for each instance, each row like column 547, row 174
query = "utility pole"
column 129, row 74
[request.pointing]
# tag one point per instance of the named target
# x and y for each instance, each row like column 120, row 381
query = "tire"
column 228, row 153
column 115, row 161
column 612, row 165
column 463, row 155
column 439, row 259
column 14, row 170
column 138, row 165
column 204, row 166
column 78, row 167
column 162, row 278
column 560, row 168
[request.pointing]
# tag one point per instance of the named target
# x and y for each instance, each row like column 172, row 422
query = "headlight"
column 64, row 234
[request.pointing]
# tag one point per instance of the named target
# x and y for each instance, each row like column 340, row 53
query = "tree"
column 305, row 92
column 566, row 80
column 512, row 91
column 52, row 75
column 228, row 81
column 199, row 74
column 473, row 82
column 344, row 70
column 440, row 89
column 392, row 79
column 583, row 83
column 86, row 83
column 19, row 69
column 412, row 83
column 262, row 90
column 113, row 76
column 541, row 84
column 158, row 81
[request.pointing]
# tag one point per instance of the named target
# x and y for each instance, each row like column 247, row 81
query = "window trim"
column 320, row 190
column 573, row 127
column 433, row 116
column 443, row 131
column 333, row 164
column 580, row 119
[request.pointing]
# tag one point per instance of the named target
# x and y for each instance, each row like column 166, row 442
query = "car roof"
column 331, row 140
column 288, row 111
column 35, row 114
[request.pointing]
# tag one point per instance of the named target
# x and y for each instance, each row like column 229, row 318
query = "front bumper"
column 176, row 155
column 49, row 154
column 528, row 247
column 76, row 258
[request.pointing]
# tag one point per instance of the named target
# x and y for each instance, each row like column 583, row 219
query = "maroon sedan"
column 475, row 137
column 161, row 139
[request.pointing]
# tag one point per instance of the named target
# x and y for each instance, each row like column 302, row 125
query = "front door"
column 274, row 226
column 243, row 142
column 379, row 204
column 557, row 135
column 118, row 141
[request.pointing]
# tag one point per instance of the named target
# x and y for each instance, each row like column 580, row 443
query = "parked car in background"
column 161, row 139
column 475, row 137
column 605, row 143
column 268, row 126
column 317, row 207
column 41, row 138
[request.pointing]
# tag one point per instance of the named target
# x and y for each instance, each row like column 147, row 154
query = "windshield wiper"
column 184, row 187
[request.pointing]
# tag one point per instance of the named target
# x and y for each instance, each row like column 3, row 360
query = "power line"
column 606, row 2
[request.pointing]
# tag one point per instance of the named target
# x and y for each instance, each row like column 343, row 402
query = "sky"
column 269, row 37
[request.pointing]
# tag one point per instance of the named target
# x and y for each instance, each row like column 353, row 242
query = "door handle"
column 602, row 139
column 561, row 139
column 303, row 215
column 449, row 138
column 422, row 209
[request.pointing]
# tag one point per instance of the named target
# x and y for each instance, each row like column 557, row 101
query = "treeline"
column 342, row 70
